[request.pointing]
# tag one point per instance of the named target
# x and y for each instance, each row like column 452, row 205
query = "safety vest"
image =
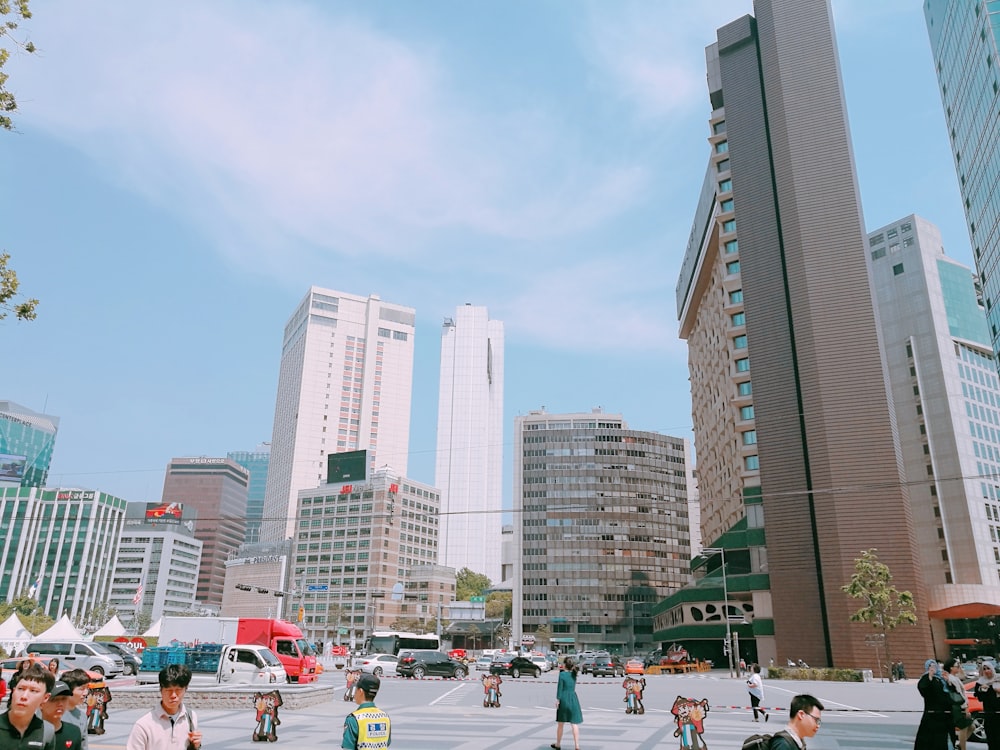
column 373, row 728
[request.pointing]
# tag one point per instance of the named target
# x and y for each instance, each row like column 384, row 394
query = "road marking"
column 442, row 697
column 861, row 712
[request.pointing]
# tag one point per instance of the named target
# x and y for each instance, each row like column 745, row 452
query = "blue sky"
column 183, row 171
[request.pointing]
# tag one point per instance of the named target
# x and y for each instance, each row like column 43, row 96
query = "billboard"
column 12, row 467
column 164, row 512
column 351, row 466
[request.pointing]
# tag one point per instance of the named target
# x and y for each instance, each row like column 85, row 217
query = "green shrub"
column 803, row 673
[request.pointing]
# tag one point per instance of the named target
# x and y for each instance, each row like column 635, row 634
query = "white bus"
column 392, row 642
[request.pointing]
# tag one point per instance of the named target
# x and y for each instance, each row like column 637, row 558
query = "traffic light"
column 725, row 647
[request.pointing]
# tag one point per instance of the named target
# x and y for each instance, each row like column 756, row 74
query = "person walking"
column 935, row 724
column 170, row 725
column 368, row 727
column 567, row 704
column 987, row 690
column 755, row 686
column 804, row 721
column 20, row 727
column 961, row 718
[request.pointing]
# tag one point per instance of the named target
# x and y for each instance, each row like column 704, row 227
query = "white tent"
column 112, row 627
column 63, row 630
column 154, row 630
column 13, row 635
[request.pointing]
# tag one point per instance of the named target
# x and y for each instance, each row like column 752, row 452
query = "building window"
column 399, row 335
column 751, row 463
column 736, row 295
column 729, row 226
column 745, row 389
column 719, row 128
column 740, row 342
column 738, row 319
column 880, row 253
column 722, row 166
column 726, row 186
column 722, row 147
column 750, row 437
column 732, row 247
column 746, row 412
column 726, row 205
column 733, row 267
column 878, row 239
column 897, row 269
column 743, row 364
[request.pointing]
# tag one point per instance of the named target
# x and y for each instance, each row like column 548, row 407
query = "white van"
column 91, row 655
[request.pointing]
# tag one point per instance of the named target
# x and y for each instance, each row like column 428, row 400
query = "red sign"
column 347, row 489
column 137, row 644
column 338, row 651
column 393, row 488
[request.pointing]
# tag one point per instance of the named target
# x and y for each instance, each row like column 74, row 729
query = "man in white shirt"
column 170, row 725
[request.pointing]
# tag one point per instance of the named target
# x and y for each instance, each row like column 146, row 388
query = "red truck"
column 283, row 638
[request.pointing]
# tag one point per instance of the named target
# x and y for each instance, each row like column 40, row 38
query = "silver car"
column 377, row 664
column 483, row 663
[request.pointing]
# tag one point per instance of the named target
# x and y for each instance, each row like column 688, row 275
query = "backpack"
column 761, row 741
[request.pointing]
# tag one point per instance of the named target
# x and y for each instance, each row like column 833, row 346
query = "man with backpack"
column 804, row 719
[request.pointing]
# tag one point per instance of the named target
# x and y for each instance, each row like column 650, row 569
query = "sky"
column 182, row 172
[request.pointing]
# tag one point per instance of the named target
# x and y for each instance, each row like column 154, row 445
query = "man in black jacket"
column 804, row 719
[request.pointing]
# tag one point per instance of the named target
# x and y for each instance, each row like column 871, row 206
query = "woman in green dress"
column 567, row 704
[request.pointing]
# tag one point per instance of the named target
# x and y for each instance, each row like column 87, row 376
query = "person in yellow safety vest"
column 368, row 727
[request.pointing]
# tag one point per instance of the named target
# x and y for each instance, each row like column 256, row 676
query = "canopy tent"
column 13, row 635
column 63, row 630
column 154, row 630
column 112, row 627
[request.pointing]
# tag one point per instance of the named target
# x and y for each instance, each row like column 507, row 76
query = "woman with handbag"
column 960, row 703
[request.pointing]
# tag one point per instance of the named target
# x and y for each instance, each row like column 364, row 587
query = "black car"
column 425, row 662
column 131, row 658
column 587, row 660
column 515, row 666
column 607, row 665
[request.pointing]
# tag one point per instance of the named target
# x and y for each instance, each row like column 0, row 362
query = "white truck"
column 212, row 664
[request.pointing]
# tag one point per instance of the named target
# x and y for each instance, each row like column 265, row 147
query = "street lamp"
column 725, row 607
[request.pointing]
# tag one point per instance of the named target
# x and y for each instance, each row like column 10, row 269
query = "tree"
column 469, row 584
column 33, row 616
column 543, row 636
column 11, row 15
column 499, row 605
column 23, row 310
column 97, row 616
column 886, row 608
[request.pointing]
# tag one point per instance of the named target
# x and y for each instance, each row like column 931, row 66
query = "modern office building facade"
column 603, row 529
column 216, row 488
column 354, row 543
column 469, row 467
column 156, row 572
column 256, row 463
column 59, row 545
column 798, row 425
column 965, row 43
column 345, row 384
column 27, row 439
column 947, row 395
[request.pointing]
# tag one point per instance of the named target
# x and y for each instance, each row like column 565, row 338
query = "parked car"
column 377, row 664
column 483, row 663
column 131, row 659
column 89, row 655
column 653, row 658
column 607, row 666
column 513, row 665
column 971, row 670
column 424, row 662
column 635, row 666
column 544, row 664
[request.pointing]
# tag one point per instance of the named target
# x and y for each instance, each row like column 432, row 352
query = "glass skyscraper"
column 964, row 41
column 256, row 462
column 26, row 442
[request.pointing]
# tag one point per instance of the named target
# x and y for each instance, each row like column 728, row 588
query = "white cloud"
column 282, row 129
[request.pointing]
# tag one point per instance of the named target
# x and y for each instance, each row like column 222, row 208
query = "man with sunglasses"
column 804, row 721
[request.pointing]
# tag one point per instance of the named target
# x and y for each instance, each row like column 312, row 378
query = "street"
column 448, row 714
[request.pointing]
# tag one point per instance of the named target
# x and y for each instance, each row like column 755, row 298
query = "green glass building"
column 27, row 439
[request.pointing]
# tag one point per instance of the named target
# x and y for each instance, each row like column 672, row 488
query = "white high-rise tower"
column 470, row 442
column 345, row 384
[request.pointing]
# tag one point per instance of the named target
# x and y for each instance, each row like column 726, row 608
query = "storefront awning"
column 962, row 641
column 970, row 611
